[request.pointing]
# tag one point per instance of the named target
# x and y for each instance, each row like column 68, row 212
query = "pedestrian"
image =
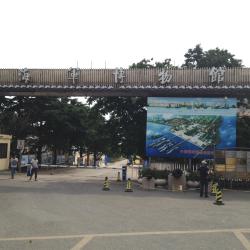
column 13, row 166
column 203, row 178
column 34, row 168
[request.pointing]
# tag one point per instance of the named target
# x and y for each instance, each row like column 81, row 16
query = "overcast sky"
column 58, row 33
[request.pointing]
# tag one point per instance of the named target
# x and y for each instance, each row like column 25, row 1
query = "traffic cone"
column 129, row 186
column 106, row 184
column 214, row 188
column 218, row 197
column 118, row 176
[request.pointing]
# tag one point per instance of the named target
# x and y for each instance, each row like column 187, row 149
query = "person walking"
column 203, row 178
column 13, row 166
column 34, row 168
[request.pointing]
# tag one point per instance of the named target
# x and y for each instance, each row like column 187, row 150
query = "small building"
column 4, row 151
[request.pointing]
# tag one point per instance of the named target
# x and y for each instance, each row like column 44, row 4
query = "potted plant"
column 148, row 181
column 160, row 176
column 177, row 173
column 177, row 180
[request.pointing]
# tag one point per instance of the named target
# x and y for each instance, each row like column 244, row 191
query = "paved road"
column 69, row 210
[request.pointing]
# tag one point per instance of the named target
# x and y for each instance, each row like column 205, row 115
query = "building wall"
column 4, row 162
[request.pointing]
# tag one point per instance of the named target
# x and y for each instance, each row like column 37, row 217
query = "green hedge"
column 157, row 174
column 193, row 176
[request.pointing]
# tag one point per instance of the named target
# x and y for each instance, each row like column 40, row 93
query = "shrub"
column 177, row 173
column 193, row 176
column 154, row 173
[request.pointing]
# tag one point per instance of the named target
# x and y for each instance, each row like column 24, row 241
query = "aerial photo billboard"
column 190, row 127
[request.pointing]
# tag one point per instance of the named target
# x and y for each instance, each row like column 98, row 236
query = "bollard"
column 218, row 197
column 129, row 186
column 118, row 176
column 106, row 184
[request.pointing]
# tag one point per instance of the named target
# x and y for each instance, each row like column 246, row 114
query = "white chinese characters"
column 73, row 74
column 164, row 77
column 119, row 75
column 24, row 75
column 217, row 74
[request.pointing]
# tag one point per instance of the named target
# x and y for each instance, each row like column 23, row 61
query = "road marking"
column 82, row 243
column 244, row 241
column 42, row 237
column 241, row 230
column 172, row 232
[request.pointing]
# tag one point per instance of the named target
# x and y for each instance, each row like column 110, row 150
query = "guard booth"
column 4, row 151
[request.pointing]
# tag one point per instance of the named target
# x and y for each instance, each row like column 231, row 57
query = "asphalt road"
column 68, row 210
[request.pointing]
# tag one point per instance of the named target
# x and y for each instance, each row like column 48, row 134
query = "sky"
column 117, row 33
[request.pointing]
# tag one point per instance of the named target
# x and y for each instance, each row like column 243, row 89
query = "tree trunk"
column 87, row 160
column 54, row 156
column 39, row 154
column 94, row 164
column 81, row 151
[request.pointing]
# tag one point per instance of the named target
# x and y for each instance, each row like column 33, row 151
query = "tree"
column 97, row 139
column 220, row 58
column 197, row 58
column 148, row 64
column 61, row 124
column 14, row 119
column 143, row 64
column 194, row 57
column 126, row 125
column 58, row 123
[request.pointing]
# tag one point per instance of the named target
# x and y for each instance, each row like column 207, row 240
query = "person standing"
column 203, row 178
column 13, row 166
column 34, row 168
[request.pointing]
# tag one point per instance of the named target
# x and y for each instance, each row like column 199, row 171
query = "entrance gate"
column 125, row 82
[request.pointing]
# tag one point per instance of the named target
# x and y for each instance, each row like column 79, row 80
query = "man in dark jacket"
column 203, row 178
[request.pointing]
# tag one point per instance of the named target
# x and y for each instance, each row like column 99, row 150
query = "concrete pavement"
column 69, row 210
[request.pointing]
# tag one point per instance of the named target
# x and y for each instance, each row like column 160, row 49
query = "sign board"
column 190, row 127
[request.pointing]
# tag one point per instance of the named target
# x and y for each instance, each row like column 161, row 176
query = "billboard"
column 190, row 127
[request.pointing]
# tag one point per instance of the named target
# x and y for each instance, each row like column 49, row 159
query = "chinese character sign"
column 119, row 75
column 217, row 74
column 73, row 74
column 164, row 77
column 24, row 75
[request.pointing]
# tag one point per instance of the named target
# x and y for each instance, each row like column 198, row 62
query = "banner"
column 190, row 127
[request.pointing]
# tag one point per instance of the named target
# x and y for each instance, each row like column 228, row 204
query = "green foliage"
column 154, row 173
column 148, row 64
column 177, row 173
column 193, row 176
column 126, row 124
column 197, row 58
column 143, row 64
column 243, row 132
column 58, row 123
column 194, row 57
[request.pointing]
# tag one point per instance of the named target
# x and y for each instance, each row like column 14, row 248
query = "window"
column 3, row 150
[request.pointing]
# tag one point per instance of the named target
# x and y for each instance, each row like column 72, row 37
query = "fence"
column 228, row 163
column 183, row 164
